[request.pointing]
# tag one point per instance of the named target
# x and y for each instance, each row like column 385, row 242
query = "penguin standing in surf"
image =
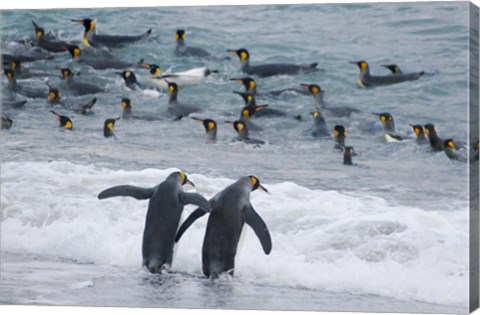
column 166, row 202
column 231, row 209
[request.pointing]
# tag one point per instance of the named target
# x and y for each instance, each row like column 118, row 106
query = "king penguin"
column 366, row 80
column 165, row 206
column 436, row 143
column 78, row 88
column 319, row 128
column 65, row 122
column 231, row 209
column 243, row 134
column 100, row 63
column 419, row 132
column 182, row 49
column 451, row 150
column 339, row 134
column 51, row 45
column 389, row 127
column 178, row 110
column 210, row 128
column 320, row 104
column 109, row 127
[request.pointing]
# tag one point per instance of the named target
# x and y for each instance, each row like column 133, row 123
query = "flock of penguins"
column 230, row 209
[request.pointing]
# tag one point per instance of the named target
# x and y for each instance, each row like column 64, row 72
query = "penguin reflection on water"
column 65, row 122
column 55, row 98
column 231, row 209
column 78, row 88
column 90, row 37
column 165, row 206
column 366, row 80
column 109, row 127
column 242, row 133
column 320, row 104
column 419, row 132
column 175, row 108
column 210, row 128
column 128, row 114
column 389, row 127
column 267, row 70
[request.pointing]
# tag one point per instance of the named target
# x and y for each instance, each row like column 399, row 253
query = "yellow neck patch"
column 92, row 26
column 383, row 118
column 363, row 65
column 211, row 126
column 76, row 52
column 315, row 90
column 110, row 126
column 251, row 85
column 335, row 133
column 246, row 113
column 9, row 75
column 183, row 177
column 249, row 98
column 243, row 56
column 68, row 125
column 240, row 126
column 451, row 144
column 254, row 181
column 124, row 104
column 417, row 131
column 39, row 34
column 157, row 71
column 315, row 115
column 171, row 88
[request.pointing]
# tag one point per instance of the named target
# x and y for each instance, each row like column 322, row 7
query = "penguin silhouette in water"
column 243, row 134
column 231, row 209
column 210, row 128
column 320, row 104
column 389, row 127
column 319, row 128
column 55, row 98
column 436, row 143
column 109, row 127
column 65, row 122
column 78, row 88
column 348, row 152
column 451, row 150
column 366, row 80
column 165, row 206
column 420, row 133
column 267, row 70
column 90, row 37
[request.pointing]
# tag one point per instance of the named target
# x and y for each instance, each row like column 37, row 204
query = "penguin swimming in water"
column 165, row 207
column 419, row 132
column 319, row 128
column 174, row 107
column 436, row 143
column 348, row 152
column 393, row 68
column 21, row 73
column 320, row 104
column 451, row 150
column 90, row 37
column 246, row 115
column 389, row 127
column 251, row 87
column 242, row 133
column 210, row 128
column 267, row 70
column 109, row 127
column 339, row 134
column 189, row 77
column 99, row 63
column 55, row 98
column 366, row 80
column 13, row 104
column 7, row 122
column 65, row 122
column 231, row 209
column 49, row 44
column 182, row 49
column 249, row 100
column 78, row 88
column 14, row 88
column 127, row 112
column 130, row 80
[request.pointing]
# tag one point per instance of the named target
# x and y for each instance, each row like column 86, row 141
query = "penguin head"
column 248, row 98
column 74, row 51
column 9, row 73
column 450, row 143
column 65, row 122
column 316, row 115
column 172, row 87
column 154, row 69
column 249, row 111
column 393, row 68
column 66, row 73
column 384, row 117
column 417, row 129
column 209, row 124
column 242, row 53
column 15, row 64
column 339, row 131
column 89, row 24
column 314, row 89
column 349, row 151
column 126, row 103
column 183, row 178
column 248, row 83
column 430, row 129
column 39, row 31
column 128, row 76
column 239, row 126
column 256, row 184
column 54, row 95
column 363, row 65
column 109, row 127
column 180, row 35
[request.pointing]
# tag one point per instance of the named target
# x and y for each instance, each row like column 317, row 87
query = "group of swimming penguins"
column 230, row 209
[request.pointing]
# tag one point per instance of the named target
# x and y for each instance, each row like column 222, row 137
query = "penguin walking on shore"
column 366, row 80
column 165, row 207
column 231, row 209
column 267, row 70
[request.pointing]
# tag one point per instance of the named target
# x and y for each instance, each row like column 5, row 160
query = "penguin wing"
column 189, row 221
column 195, row 199
column 128, row 191
column 259, row 227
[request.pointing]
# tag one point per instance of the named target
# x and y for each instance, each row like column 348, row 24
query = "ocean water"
column 388, row 235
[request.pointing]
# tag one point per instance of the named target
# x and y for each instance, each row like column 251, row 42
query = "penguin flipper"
column 195, row 199
column 189, row 221
column 128, row 191
column 260, row 228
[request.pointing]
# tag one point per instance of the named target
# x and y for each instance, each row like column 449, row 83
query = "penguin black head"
column 54, row 95
column 154, row 69
column 15, row 64
column 256, row 184
column 65, row 122
column 450, row 143
column 430, row 129
column 128, row 76
column 89, row 24
column 417, row 129
column 393, row 68
column 314, row 89
column 247, row 82
column 172, row 87
column 209, row 124
column 39, row 31
column 180, row 35
column 126, row 103
column 74, row 51
column 339, row 131
column 384, row 117
column 363, row 65
column 239, row 126
column 66, row 73
column 109, row 127
column 316, row 114
column 249, row 111
column 184, row 179
column 242, row 53
column 9, row 73
column 248, row 98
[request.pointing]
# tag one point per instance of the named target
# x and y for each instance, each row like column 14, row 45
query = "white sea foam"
column 321, row 239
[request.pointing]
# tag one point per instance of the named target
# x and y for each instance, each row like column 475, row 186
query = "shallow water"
column 391, row 231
